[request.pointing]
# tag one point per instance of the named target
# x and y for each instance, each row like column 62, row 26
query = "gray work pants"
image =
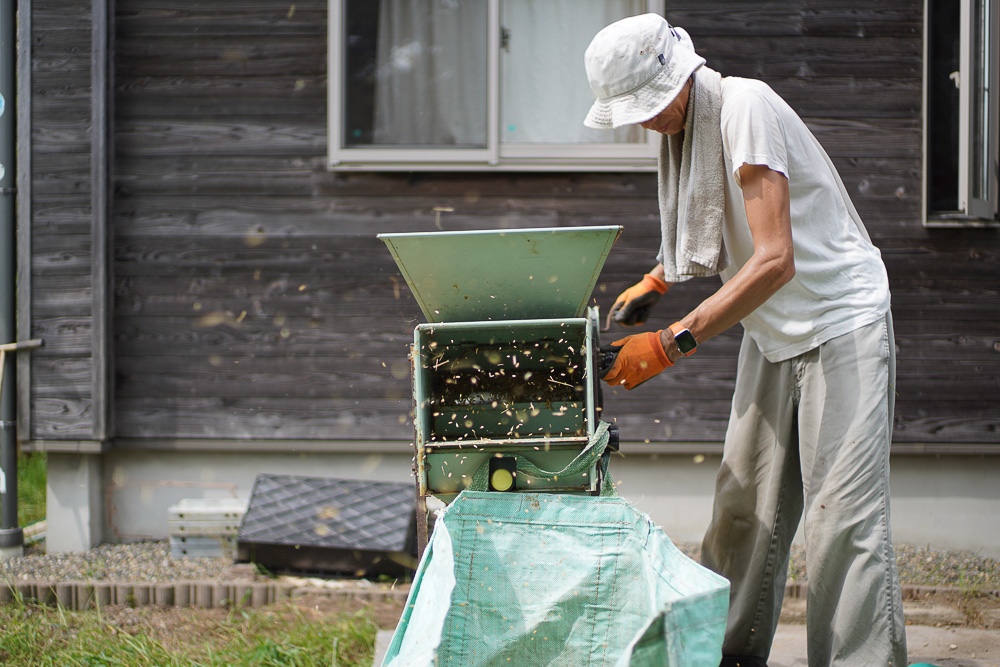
column 810, row 436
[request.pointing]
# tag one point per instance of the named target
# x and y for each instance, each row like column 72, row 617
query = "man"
column 747, row 193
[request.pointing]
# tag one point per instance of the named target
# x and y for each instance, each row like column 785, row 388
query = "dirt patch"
column 384, row 612
column 967, row 608
column 942, row 608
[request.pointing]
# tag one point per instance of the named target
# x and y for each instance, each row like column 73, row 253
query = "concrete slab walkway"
column 935, row 634
column 944, row 647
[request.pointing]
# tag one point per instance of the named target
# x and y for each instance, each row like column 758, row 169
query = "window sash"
column 495, row 155
column 975, row 151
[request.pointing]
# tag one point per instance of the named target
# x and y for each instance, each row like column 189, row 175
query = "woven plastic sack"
column 547, row 579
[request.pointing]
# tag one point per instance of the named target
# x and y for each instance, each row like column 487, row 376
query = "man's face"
column 671, row 120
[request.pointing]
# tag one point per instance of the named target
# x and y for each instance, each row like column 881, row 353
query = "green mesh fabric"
column 547, row 579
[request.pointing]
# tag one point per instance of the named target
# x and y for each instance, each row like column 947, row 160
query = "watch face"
column 685, row 341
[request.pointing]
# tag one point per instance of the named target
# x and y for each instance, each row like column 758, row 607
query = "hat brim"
column 649, row 99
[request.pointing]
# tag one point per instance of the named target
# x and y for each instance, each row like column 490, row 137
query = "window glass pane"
column 415, row 73
column 544, row 91
column 944, row 50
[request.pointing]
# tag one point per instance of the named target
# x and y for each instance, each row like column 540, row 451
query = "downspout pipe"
column 11, row 535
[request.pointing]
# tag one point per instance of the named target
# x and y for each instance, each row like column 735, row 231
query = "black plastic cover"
column 318, row 524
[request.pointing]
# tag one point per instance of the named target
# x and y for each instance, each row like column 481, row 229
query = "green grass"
column 31, row 471
column 282, row 635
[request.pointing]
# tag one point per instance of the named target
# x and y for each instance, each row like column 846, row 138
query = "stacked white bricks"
column 205, row 527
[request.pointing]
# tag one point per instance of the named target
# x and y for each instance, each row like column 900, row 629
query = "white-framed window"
column 961, row 99
column 472, row 85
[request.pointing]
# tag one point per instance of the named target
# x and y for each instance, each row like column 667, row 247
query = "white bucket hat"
column 636, row 67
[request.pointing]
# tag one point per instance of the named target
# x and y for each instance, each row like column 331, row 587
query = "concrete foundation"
column 74, row 503
column 140, row 486
column 942, row 502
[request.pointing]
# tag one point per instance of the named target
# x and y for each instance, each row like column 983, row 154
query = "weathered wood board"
column 252, row 300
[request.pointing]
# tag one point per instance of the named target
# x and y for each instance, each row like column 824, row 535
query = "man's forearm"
column 772, row 265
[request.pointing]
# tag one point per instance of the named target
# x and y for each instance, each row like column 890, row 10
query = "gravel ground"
column 152, row 562
column 141, row 561
column 918, row 566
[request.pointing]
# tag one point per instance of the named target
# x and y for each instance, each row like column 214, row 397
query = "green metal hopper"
column 503, row 274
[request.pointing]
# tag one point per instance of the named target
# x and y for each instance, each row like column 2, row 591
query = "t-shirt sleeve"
column 752, row 132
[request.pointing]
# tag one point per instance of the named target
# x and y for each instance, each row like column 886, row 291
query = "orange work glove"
column 633, row 305
column 641, row 357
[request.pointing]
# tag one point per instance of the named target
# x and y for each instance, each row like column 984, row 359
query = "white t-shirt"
column 840, row 282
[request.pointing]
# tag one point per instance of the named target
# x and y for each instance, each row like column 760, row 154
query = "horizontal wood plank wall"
column 854, row 73
column 61, row 259
column 252, row 300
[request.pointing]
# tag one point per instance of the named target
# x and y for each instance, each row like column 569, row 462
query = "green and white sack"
column 545, row 579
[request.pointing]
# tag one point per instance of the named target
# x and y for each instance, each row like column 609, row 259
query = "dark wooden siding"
column 252, row 299
column 61, row 254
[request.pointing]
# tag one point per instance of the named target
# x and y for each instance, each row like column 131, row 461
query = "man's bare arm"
column 772, row 265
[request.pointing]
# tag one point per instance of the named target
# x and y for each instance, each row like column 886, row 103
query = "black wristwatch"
column 684, row 339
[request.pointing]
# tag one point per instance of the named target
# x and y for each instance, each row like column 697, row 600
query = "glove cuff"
column 654, row 283
column 657, row 347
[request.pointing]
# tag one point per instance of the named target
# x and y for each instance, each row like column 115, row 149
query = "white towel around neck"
column 691, row 187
